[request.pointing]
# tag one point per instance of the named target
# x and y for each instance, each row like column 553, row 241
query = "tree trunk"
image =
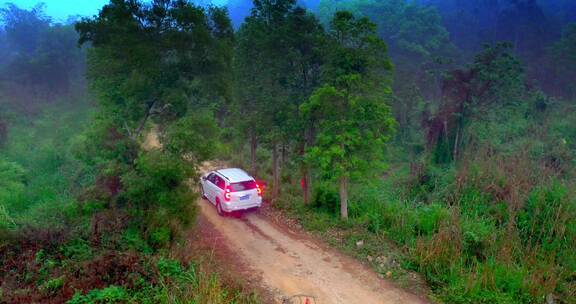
column 253, row 147
column 143, row 121
column 275, row 171
column 308, row 190
column 3, row 133
column 306, row 184
column 306, row 170
column 456, row 143
column 284, row 156
column 344, row 196
column 305, row 175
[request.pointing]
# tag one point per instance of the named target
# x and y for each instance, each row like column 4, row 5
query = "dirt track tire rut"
column 292, row 263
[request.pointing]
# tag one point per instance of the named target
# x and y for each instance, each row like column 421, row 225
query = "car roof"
column 235, row 175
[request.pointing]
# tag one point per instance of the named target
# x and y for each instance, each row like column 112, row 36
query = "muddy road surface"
column 292, row 263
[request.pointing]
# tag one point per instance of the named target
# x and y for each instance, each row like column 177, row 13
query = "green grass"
column 43, row 172
column 177, row 284
column 461, row 241
column 59, row 236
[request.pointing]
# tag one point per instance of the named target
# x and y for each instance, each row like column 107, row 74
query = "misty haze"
column 288, row 151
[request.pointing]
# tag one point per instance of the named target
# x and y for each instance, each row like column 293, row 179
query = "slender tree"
column 278, row 66
column 352, row 118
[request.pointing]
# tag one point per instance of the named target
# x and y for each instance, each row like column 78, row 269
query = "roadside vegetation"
column 377, row 124
column 86, row 214
column 471, row 185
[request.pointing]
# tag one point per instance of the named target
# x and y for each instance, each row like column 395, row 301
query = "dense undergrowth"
column 497, row 227
column 66, row 237
column 478, row 195
column 470, row 246
column 88, row 214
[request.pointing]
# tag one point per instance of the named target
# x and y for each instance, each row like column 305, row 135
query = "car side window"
column 210, row 178
column 220, row 182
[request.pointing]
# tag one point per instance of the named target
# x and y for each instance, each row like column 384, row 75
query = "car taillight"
column 258, row 190
column 228, row 194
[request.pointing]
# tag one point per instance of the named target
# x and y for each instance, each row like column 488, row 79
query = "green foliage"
column 421, row 49
column 458, row 239
column 563, row 62
column 193, row 136
column 11, row 189
column 108, row 295
column 133, row 239
column 160, row 237
column 352, row 131
column 500, row 75
column 494, row 230
column 429, row 218
column 41, row 59
column 77, row 249
column 495, row 79
column 69, row 184
column 279, row 52
column 52, row 285
column 12, row 176
column 350, row 114
column 412, row 30
column 38, row 171
column 155, row 174
column 325, row 198
column 353, row 120
column 477, row 236
column 131, row 89
column 156, row 187
column 190, row 285
column 169, row 268
column 548, row 221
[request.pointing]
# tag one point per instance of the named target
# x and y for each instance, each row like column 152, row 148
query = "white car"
column 231, row 190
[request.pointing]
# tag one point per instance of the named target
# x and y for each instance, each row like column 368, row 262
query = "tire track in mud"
column 292, row 263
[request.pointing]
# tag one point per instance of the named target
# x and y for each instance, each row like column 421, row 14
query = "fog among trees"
column 441, row 133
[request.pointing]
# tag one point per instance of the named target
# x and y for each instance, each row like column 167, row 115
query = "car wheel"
column 219, row 209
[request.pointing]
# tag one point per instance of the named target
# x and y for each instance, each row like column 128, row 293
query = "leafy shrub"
column 11, row 190
column 108, row 295
column 169, row 268
column 489, row 282
column 194, row 136
column 77, row 249
column 477, row 236
column 426, row 183
column 429, row 218
column 160, row 237
column 157, row 190
column 326, row 198
column 53, row 285
column 132, row 239
column 549, row 218
column 6, row 220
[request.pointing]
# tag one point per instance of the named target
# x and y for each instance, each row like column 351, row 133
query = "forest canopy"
column 440, row 133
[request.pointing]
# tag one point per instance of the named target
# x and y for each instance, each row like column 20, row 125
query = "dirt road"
column 292, row 263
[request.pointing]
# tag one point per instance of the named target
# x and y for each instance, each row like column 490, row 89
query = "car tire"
column 219, row 209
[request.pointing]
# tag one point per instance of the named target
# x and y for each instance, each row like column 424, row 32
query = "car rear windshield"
column 243, row 186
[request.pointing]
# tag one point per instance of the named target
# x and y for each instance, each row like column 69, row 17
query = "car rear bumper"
column 230, row 207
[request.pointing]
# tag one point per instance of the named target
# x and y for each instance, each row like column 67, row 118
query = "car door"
column 220, row 185
column 209, row 185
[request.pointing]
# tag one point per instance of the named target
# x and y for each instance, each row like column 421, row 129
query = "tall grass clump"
column 493, row 229
column 510, row 237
